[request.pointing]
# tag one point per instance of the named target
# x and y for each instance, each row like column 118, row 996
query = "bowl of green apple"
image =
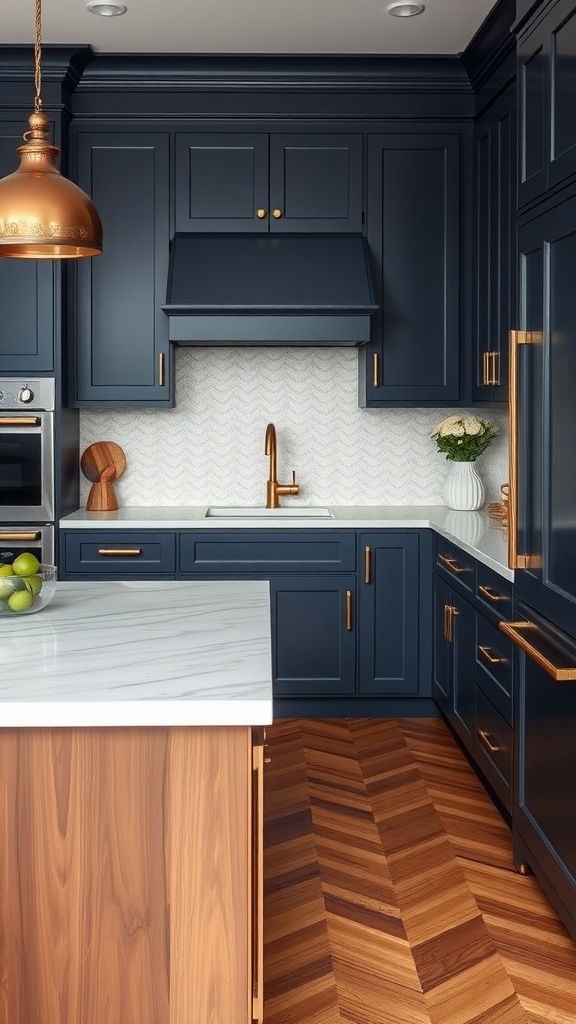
column 25, row 585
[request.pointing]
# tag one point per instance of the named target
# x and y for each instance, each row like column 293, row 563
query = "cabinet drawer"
column 244, row 551
column 494, row 749
column 115, row 553
column 494, row 666
column 494, row 593
column 455, row 564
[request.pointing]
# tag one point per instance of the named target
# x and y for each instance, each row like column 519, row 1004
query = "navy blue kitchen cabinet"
column 314, row 635
column 413, row 231
column 268, row 182
column 494, row 264
column 547, row 130
column 389, row 613
column 106, row 554
column 453, row 684
column 544, row 820
column 27, row 287
column 120, row 351
column 545, row 355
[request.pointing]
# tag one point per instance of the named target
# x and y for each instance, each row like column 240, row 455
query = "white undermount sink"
column 259, row 512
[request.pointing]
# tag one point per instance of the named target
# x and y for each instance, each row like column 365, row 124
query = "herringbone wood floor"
column 391, row 896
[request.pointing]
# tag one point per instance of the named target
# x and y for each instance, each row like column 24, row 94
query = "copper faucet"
column 273, row 488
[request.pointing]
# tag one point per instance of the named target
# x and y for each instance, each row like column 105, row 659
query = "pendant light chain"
column 37, row 57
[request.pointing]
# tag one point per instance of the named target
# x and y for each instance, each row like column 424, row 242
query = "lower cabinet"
column 131, row 886
column 454, row 679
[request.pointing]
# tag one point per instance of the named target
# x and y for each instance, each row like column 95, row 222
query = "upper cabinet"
column 413, row 228
column 494, row 266
column 268, row 183
column 27, row 337
column 547, row 127
column 119, row 332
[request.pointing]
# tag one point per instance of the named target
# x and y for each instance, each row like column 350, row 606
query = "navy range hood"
column 253, row 289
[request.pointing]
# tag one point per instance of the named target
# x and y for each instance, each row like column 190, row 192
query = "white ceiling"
column 250, row 26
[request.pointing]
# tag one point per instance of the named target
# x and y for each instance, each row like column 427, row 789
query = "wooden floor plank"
column 390, row 891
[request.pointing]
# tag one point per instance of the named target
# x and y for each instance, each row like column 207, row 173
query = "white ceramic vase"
column 463, row 489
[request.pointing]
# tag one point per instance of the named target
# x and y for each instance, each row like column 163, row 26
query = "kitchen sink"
column 259, row 512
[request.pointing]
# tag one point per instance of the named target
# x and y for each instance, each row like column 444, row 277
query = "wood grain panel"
column 124, row 881
column 382, row 833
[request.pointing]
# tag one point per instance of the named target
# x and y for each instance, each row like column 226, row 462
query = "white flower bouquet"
column 464, row 438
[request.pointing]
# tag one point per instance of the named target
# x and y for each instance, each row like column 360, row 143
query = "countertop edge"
column 127, row 714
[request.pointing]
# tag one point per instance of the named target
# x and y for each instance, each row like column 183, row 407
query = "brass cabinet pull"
column 489, row 656
column 19, row 421
column 348, row 610
column 453, row 612
column 446, row 614
column 376, row 370
column 485, row 356
column 487, row 741
column 490, row 368
column 516, row 561
column 31, row 535
column 495, row 369
column 161, row 370
column 256, row 936
column 277, row 214
column 261, row 213
column 491, row 594
column 119, row 551
column 516, row 631
column 451, row 564
column 367, row 565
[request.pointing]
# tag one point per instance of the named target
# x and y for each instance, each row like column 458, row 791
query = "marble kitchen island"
column 131, row 804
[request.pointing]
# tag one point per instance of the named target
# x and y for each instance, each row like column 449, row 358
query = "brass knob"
column 276, row 214
column 260, row 213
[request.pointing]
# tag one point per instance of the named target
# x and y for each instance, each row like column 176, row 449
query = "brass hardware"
column 516, row 561
column 449, row 561
column 487, row 741
column 523, row 868
column 161, row 370
column 119, row 551
column 348, row 610
column 32, row 535
column 495, row 372
column 491, row 594
column 515, row 631
column 256, row 921
column 367, row 565
column 489, row 656
column 452, row 613
column 277, row 214
column 446, row 614
column 490, row 370
column 485, row 367
column 376, row 370
column 42, row 214
column 273, row 488
column 19, row 421
column 261, row 213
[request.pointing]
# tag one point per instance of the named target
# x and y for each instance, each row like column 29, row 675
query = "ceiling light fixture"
column 42, row 214
column 405, row 10
column 108, row 10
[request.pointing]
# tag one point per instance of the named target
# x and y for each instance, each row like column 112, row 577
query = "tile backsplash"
column 209, row 449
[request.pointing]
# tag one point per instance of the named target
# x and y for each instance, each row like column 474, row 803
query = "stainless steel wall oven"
column 38, row 539
column 26, row 450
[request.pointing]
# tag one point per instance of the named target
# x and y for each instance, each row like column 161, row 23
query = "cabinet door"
column 27, row 337
column 463, row 638
column 547, row 416
column 414, row 235
column 443, row 651
column 532, row 116
column 494, row 251
column 121, row 335
column 316, row 183
column 313, row 635
column 221, row 182
column 562, row 134
column 389, row 614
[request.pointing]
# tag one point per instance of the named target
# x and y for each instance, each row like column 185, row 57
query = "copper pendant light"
column 42, row 214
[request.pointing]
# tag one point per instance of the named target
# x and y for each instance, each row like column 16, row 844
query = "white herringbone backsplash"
column 209, row 449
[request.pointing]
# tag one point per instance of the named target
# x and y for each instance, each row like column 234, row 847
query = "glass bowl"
column 21, row 595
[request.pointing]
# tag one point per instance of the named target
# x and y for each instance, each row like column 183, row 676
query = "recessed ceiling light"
column 107, row 10
column 405, row 10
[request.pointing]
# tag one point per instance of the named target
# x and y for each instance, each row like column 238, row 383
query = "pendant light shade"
column 42, row 214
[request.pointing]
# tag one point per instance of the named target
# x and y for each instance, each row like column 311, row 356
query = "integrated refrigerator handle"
column 517, row 632
column 513, row 449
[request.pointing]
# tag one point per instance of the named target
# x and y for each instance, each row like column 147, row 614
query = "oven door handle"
column 30, row 535
column 19, row 421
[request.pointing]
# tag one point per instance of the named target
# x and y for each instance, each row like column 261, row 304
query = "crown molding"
column 492, row 44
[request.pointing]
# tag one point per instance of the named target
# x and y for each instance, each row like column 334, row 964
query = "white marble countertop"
column 140, row 653
column 474, row 532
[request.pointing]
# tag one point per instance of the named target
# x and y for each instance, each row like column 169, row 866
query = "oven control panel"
column 32, row 393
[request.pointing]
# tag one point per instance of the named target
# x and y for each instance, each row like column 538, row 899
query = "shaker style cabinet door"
column 119, row 329
column 28, row 334
column 413, row 230
column 268, row 183
column 546, row 361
